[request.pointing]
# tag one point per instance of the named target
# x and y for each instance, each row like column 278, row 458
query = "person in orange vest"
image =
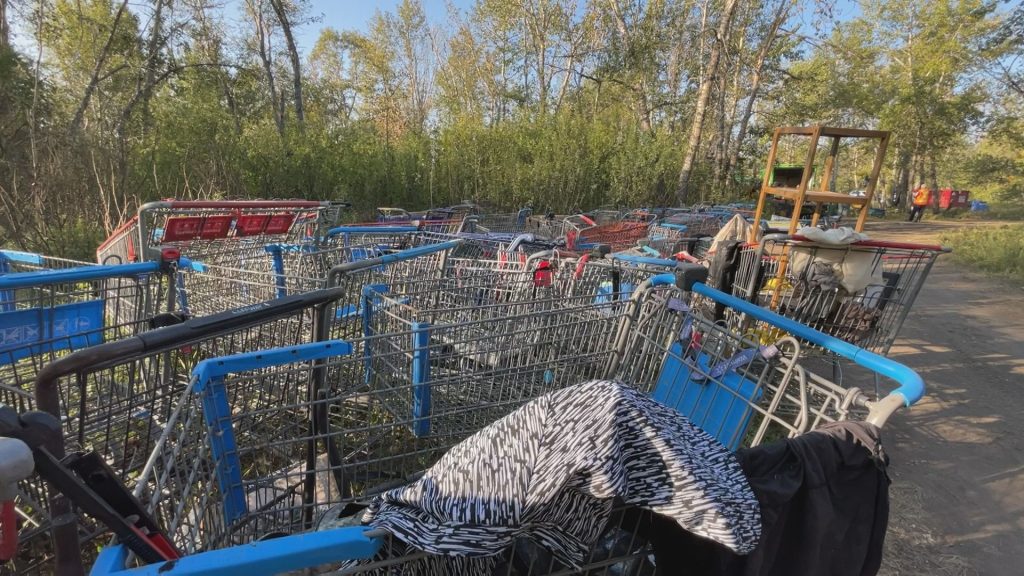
column 922, row 198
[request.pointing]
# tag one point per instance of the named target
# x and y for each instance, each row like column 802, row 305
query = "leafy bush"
column 997, row 211
column 998, row 250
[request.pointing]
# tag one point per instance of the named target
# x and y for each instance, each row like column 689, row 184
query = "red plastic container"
column 949, row 198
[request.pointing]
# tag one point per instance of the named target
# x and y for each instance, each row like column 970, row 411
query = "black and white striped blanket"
column 550, row 471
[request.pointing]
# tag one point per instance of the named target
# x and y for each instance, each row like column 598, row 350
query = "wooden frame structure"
column 801, row 194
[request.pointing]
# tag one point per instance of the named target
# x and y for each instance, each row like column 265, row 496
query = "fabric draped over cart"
column 550, row 472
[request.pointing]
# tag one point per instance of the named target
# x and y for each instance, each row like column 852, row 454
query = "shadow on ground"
column 958, row 455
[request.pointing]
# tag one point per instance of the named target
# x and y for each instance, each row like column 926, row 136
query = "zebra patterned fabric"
column 549, row 472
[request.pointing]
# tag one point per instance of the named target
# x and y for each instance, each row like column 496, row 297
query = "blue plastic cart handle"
column 273, row 556
column 80, row 274
column 24, row 257
column 911, row 385
column 410, row 253
column 371, row 230
column 646, row 260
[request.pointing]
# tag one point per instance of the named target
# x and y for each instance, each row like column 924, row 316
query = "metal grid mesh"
column 616, row 235
column 13, row 261
column 792, row 278
column 291, row 481
column 120, row 410
column 304, row 220
column 476, row 371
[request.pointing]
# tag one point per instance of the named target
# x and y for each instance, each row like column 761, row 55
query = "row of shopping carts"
column 214, row 400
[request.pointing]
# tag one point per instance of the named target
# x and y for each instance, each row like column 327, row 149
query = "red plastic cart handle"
column 8, row 531
column 243, row 204
column 581, row 265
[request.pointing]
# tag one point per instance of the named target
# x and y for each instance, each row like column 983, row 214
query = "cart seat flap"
column 721, row 407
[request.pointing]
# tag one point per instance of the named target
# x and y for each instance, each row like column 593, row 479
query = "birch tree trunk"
column 94, row 79
column 293, row 56
column 263, row 49
column 4, row 29
column 781, row 14
column 697, row 128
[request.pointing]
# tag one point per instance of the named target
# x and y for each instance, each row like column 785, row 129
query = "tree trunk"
column 781, row 13
column 293, row 55
column 4, row 30
column 537, row 28
column 262, row 36
column 144, row 84
column 727, row 99
column 697, row 129
column 94, row 80
column 933, row 182
column 156, row 43
column 639, row 89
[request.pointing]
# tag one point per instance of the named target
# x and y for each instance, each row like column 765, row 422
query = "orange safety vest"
column 922, row 197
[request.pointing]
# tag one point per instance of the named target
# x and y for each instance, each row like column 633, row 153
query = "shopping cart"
column 200, row 229
column 603, row 216
column 115, row 399
column 575, row 224
column 17, row 261
column 698, row 223
column 860, row 292
column 617, row 236
column 46, row 315
column 505, row 223
column 279, row 270
column 225, row 480
column 390, row 236
column 611, row 276
column 668, row 240
column 443, row 226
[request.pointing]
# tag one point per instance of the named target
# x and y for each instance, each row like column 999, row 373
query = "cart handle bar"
column 285, row 554
column 911, row 385
column 78, row 274
column 868, row 243
column 370, row 229
column 669, row 263
column 234, row 204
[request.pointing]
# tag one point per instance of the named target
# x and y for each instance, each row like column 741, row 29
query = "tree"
column 697, row 128
column 281, row 11
column 561, row 104
column 4, row 27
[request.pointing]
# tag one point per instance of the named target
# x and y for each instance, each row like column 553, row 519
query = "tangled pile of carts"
column 229, row 373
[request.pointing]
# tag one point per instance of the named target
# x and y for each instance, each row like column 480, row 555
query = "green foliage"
column 550, row 103
column 997, row 250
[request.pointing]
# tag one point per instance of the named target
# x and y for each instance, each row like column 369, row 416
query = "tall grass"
column 997, row 211
column 996, row 250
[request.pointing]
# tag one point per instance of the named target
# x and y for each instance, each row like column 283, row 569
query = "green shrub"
column 997, row 250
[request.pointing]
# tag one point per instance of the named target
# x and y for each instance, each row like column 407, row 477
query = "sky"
column 356, row 14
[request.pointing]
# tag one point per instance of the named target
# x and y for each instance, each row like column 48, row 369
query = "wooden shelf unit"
column 800, row 194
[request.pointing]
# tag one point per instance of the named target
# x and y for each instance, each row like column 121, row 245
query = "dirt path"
column 958, row 455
